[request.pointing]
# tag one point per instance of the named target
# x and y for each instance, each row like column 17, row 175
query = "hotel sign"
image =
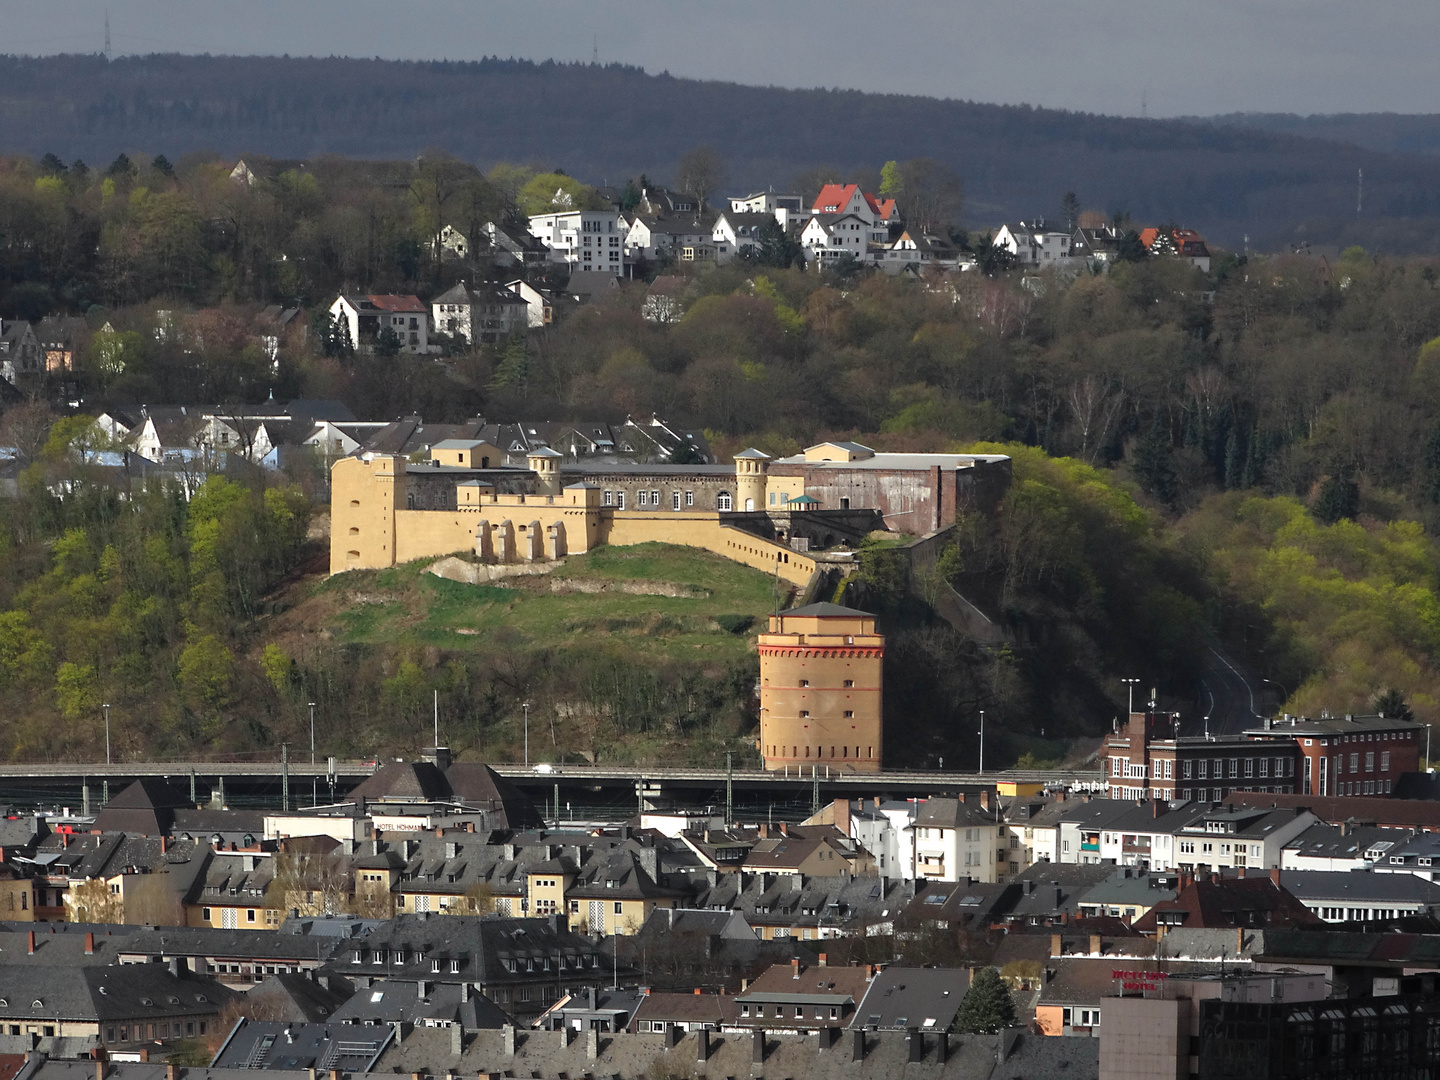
column 1138, row 980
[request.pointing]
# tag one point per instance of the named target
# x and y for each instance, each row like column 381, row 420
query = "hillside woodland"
column 601, row 123
column 1249, row 457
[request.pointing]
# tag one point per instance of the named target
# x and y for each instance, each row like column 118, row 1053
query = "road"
column 1229, row 694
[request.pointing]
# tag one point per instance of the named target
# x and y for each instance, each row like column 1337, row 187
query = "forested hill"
column 609, row 122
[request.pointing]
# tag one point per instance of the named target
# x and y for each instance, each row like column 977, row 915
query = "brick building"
column 1148, row 758
column 1351, row 755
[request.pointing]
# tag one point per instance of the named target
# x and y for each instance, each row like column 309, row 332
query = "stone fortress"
column 795, row 517
column 779, row 515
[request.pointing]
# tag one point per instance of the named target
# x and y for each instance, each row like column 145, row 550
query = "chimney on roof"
column 795, row 968
column 961, row 796
column 1057, row 945
column 823, row 959
column 32, row 942
column 1096, row 948
column 89, row 943
column 1155, row 807
column 1239, row 940
column 99, row 1069
column 1240, row 871
column 1275, row 875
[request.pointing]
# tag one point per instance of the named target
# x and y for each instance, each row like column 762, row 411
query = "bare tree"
column 151, row 900
column 312, row 881
column 1095, row 404
column 439, row 178
column 700, row 172
column 931, row 194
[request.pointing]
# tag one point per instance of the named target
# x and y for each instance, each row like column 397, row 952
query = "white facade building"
column 584, row 239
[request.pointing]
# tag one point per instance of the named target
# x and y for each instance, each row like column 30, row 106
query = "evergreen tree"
column 1338, row 498
column 1431, row 466
column 514, row 367
column 1130, row 249
column 1070, row 209
column 776, row 248
column 1250, row 475
column 1391, row 704
column 1153, row 465
column 162, row 165
column 1234, row 470
column 51, row 165
column 987, row 1006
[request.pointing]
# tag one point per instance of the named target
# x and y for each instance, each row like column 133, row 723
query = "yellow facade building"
column 820, row 689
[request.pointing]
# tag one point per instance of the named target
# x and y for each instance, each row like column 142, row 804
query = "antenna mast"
column 1359, row 190
column 108, row 55
column 595, row 49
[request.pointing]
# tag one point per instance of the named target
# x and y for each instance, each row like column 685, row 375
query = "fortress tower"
column 545, row 464
column 820, row 689
column 750, row 467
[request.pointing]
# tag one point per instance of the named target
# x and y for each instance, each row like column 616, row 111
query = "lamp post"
column 1285, row 694
column 982, row 742
column 1427, row 747
column 526, row 706
column 1131, row 683
column 107, row 736
column 314, row 780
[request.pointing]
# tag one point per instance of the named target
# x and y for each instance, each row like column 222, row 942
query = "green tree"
column 1154, row 465
column 892, row 184
column 1391, row 704
column 77, row 691
column 1130, row 249
column 206, row 672
column 1338, row 498
column 1070, row 209
column 987, row 1006
column 278, row 668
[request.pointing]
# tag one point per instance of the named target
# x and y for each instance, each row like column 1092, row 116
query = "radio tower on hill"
column 108, row 56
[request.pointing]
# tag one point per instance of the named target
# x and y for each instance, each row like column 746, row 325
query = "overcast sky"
column 1172, row 57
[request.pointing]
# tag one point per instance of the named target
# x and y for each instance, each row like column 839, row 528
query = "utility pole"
column 982, row 742
column 526, row 707
column 437, row 720
column 814, row 789
column 285, row 777
column 107, row 717
column 730, row 784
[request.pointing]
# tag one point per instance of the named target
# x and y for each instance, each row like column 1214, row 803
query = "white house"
column 955, row 838
column 369, row 316
column 1033, row 245
column 736, row 232
column 584, row 239
column 827, row 237
column 1344, row 847
column 1227, row 838
column 540, row 311
column 482, row 315
column 766, row 202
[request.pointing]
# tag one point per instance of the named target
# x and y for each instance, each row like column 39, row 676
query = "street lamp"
column 526, row 706
column 1131, row 683
column 107, row 735
column 1427, row 747
column 982, row 742
column 1285, row 694
column 312, row 733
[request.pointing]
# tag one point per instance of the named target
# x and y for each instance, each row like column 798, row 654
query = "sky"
column 1125, row 57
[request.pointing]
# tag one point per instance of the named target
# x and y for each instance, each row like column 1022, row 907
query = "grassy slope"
column 406, row 606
